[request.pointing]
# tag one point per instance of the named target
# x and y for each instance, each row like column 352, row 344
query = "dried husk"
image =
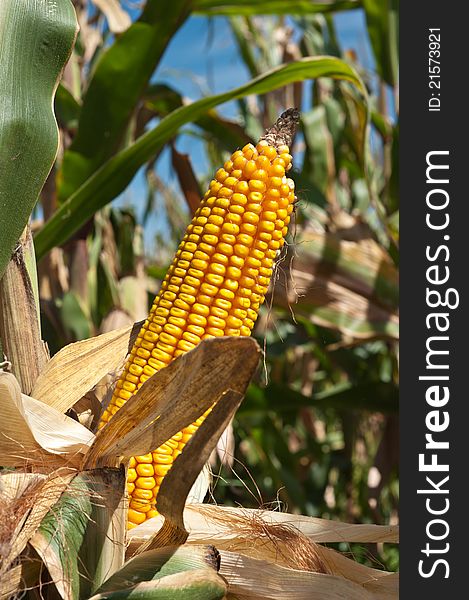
column 282, row 540
column 175, row 397
column 33, row 432
column 75, row 369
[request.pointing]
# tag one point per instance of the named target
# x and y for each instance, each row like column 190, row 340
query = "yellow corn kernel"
column 214, row 279
column 140, row 505
column 251, row 217
column 242, row 187
column 161, row 470
column 249, row 169
column 215, row 331
column 268, row 151
column 185, row 345
column 199, row 331
column 221, row 175
column 234, row 322
column 145, row 483
column 263, row 162
column 135, row 517
column 208, row 289
column 217, row 268
column 144, row 458
column 142, row 494
column 233, row 272
column 214, row 321
column 145, row 470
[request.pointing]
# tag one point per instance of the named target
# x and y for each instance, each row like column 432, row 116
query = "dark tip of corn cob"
column 283, row 131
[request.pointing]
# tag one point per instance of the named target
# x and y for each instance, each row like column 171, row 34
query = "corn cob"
column 214, row 286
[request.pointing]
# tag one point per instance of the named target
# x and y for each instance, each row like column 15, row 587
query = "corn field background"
column 317, row 433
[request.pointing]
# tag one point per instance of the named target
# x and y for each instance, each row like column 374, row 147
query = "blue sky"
column 202, row 59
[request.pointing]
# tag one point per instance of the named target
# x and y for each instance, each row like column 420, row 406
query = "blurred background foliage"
column 318, row 430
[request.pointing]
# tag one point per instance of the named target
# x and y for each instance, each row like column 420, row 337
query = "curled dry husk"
column 264, row 554
column 267, row 554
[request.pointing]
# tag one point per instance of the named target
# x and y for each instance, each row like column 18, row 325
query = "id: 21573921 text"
column 434, row 70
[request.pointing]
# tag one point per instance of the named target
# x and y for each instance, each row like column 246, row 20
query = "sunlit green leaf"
column 383, row 28
column 67, row 108
column 271, row 7
column 319, row 151
column 201, row 584
column 36, row 39
column 80, row 539
column 156, row 564
column 115, row 175
column 163, row 100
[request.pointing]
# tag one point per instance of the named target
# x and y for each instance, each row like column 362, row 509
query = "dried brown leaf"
column 280, row 539
column 214, row 524
column 75, row 369
column 344, row 285
column 35, row 433
column 225, row 447
column 19, row 318
column 10, row 585
column 54, row 431
column 17, row 443
column 178, row 482
column 175, row 397
column 35, row 496
column 249, row 578
column 187, row 179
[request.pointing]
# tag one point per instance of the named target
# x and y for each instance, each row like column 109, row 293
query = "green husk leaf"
column 80, row 541
column 158, row 563
column 202, row 584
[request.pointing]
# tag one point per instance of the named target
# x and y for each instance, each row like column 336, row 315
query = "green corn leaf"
column 383, row 28
column 377, row 396
column 202, row 584
column 159, row 563
column 271, row 7
column 107, row 292
column 162, row 100
column 36, row 38
column 116, row 174
column 245, row 46
column 81, row 540
column 67, row 108
column 318, row 155
column 117, row 84
column 74, row 318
